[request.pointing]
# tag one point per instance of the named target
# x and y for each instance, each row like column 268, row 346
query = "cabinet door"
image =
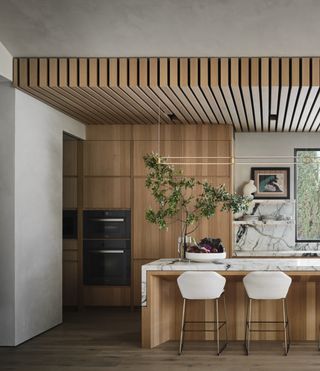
column 107, row 158
column 70, row 156
column 70, row 283
column 146, row 236
column 106, row 192
column 70, row 192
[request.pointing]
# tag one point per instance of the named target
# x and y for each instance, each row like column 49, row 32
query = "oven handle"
column 108, row 251
column 118, row 220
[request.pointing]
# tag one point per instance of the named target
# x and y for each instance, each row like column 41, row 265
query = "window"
column 307, row 188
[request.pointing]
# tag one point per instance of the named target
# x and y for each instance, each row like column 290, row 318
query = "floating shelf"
column 271, row 202
column 260, row 222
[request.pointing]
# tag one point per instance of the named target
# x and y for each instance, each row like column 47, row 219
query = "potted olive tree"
column 185, row 199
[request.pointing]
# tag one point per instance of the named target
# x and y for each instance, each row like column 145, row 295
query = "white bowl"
column 205, row 257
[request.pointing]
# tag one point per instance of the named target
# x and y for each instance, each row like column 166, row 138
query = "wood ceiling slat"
column 236, row 92
column 255, row 92
column 142, row 83
column 58, row 71
column 134, row 86
column 113, row 83
column 143, row 107
column 188, row 92
column 109, row 100
column 284, row 92
column 194, row 84
column 313, row 103
column 105, row 109
column 178, row 75
column 264, row 86
column 303, row 93
column 294, row 92
column 225, row 88
column 216, row 91
column 274, row 91
column 153, row 81
column 116, row 99
column 246, row 94
column 77, row 85
column 41, row 90
column 206, row 90
column 59, row 83
column 165, row 86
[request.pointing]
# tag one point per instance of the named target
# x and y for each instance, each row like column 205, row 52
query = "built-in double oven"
column 107, row 247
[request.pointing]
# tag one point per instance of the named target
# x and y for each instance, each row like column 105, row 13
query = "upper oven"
column 105, row 224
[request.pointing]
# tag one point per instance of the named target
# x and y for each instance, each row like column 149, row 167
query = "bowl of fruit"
column 207, row 250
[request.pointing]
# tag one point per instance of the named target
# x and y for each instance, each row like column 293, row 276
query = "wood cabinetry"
column 70, row 273
column 114, row 177
column 70, row 201
column 106, row 193
column 107, row 158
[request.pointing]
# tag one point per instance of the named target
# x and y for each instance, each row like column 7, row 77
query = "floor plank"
column 109, row 339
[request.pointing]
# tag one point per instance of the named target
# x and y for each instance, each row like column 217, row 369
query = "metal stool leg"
column 182, row 326
column 288, row 326
column 217, row 324
column 285, row 327
column 248, row 327
column 225, row 317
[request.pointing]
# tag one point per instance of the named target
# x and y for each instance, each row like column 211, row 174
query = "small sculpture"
column 247, row 191
column 249, row 188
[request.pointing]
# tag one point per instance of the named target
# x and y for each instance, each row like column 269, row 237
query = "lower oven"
column 107, row 262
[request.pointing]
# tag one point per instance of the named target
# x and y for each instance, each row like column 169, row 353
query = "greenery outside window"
column 307, row 189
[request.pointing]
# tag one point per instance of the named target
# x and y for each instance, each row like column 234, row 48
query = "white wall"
column 7, row 132
column 38, row 214
column 31, row 140
column 270, row 144
column 5, row 63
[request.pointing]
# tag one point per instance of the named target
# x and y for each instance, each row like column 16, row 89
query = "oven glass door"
column 106, row 224
column 107, row 263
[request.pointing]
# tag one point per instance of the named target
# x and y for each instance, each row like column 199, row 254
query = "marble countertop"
column 235, row 264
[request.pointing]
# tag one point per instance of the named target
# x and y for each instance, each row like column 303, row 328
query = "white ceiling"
column 160, row 27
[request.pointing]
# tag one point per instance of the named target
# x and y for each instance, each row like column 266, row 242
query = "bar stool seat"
column 267, row 286
column 203, row 286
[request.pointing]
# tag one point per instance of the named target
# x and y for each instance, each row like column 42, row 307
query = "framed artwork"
column 271, row 182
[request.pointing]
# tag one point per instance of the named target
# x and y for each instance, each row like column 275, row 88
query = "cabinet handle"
column 107, row 251
column 118, row 220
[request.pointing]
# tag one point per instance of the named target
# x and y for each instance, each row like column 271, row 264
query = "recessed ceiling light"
column 273, row 117
column 172, row 116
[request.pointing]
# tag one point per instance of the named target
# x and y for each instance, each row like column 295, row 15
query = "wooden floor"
column 96, row 340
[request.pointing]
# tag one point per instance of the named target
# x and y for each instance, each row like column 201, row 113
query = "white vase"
column 249, row 188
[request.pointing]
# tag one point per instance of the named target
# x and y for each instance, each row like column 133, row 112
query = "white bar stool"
column 267, row 286
column 203, row 286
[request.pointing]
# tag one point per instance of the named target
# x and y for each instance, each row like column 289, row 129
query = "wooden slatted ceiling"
column 252, row 94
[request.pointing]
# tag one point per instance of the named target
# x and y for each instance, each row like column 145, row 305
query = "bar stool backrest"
column 267, row 285
column 201, row 285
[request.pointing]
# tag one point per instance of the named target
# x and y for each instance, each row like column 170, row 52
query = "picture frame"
column 271, row 182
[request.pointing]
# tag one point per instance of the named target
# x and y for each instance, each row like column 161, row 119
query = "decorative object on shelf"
column 208, row 249
column 249, row 188
column 185, row 199
column 271, row 182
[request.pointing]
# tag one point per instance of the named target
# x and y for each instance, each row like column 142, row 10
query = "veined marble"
column 242, row 265
column 275, row 237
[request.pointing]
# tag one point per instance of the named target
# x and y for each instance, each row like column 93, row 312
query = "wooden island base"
column 161, row 318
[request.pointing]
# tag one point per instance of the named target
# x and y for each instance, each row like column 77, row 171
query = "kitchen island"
column 162, row 302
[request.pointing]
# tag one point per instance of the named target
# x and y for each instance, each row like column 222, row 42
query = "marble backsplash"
column 272, row 234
